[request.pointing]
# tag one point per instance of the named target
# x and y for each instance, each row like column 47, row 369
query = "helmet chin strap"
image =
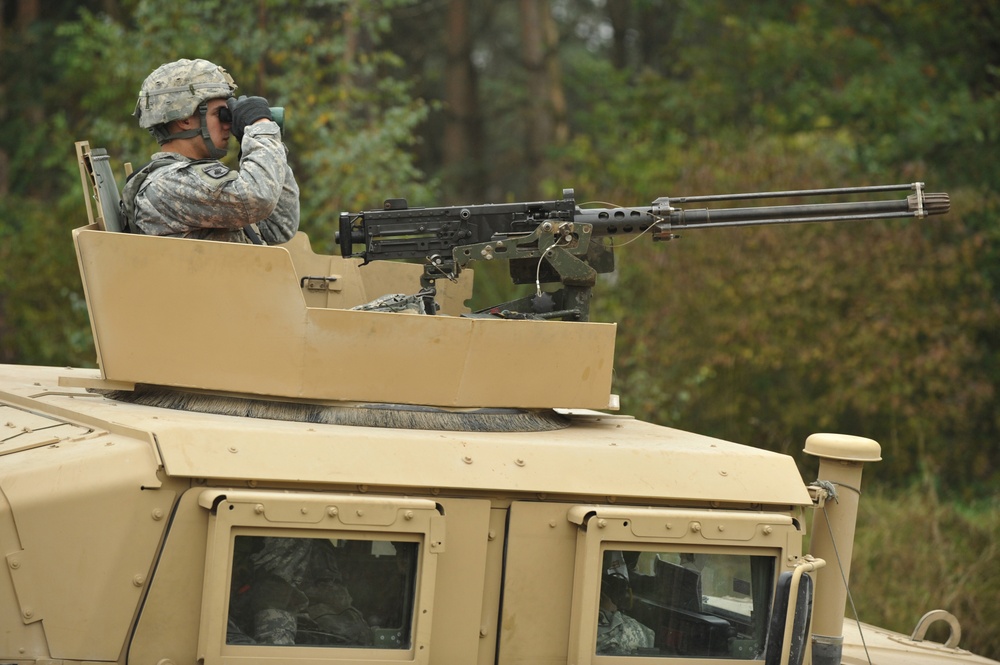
column 213, row 151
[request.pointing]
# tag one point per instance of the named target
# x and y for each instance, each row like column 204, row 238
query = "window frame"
column 236, row 513
column 603, row 528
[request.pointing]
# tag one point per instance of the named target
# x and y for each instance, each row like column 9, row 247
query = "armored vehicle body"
column 261, row 471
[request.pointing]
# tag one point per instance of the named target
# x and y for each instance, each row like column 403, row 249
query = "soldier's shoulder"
column 180, row 172
column 210, row 171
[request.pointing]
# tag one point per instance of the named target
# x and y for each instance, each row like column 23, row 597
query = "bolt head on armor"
column 175, row 90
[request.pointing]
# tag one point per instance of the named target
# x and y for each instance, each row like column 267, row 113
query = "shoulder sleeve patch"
column 216, row 171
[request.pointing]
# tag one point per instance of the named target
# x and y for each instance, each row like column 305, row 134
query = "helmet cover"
column 175, row 90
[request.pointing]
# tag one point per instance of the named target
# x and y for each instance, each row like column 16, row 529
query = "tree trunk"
column 351, row 41
column 618, row 14
column 463, row 134
column 546, row 103
column 21, row 15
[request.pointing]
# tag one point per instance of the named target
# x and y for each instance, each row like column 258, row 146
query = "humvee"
column 258, row 473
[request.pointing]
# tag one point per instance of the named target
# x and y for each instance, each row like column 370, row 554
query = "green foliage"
column 955, row 570
column 43, row 316
column 910, row 79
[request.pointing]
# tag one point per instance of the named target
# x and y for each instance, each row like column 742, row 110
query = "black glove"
column 246, row 111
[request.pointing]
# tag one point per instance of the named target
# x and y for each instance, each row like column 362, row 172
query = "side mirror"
column 791, row 614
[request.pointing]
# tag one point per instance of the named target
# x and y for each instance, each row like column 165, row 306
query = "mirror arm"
column 806, row 565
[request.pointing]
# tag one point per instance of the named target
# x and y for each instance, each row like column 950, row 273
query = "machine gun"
column 557, row 241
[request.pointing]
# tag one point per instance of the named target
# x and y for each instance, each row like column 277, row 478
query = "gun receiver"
column 557, row 241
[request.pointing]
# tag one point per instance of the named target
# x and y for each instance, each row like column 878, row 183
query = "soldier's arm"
column 265, row 171
column 209, row 195
column 282, row 224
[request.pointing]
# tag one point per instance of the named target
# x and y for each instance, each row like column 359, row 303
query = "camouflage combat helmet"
column 177, row 90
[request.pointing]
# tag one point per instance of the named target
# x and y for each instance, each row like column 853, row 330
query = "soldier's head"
column 615, row 589
column 182, row 100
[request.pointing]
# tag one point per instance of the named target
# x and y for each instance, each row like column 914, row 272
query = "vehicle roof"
column 597, row 454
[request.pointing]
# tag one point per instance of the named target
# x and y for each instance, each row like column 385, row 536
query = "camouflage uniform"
column 204, row 199
column 620, row 634
column 174, row 195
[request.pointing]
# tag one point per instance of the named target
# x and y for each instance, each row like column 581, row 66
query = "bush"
column 914, row 553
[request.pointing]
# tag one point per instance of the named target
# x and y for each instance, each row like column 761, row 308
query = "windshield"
column 677, row 603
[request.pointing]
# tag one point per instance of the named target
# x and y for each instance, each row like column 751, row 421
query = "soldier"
column 617, row 632
column 189, row 108
column 290, row 591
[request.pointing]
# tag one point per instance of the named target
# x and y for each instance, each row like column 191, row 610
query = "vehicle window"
column 322, row 592
column 683, row 604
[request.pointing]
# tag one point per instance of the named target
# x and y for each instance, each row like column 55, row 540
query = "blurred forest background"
column 887, row 329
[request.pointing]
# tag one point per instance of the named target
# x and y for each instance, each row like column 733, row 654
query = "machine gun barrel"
column 666, row 217
column 829, row 191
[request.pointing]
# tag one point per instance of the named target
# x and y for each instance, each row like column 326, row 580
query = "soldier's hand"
column 246, row 111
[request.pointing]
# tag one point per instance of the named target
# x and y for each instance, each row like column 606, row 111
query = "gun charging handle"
column 344, row 235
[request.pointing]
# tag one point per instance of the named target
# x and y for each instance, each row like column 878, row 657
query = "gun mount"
column 557, row 241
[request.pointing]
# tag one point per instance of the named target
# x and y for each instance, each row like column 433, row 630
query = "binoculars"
column 277, row 114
